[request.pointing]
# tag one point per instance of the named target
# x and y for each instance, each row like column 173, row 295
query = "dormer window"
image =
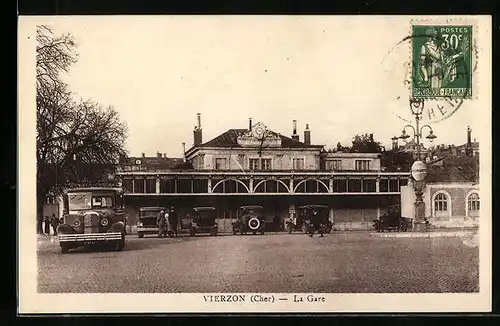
column 138, row 162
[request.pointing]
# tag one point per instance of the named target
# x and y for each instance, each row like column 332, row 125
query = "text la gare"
column 308, row 298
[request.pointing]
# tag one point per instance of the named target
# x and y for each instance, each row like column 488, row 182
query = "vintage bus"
column 92, row 216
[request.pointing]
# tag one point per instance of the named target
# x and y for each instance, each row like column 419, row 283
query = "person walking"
column 55, row 223
column 317, row 224
column 172, row 222
column 160, row 222
column 46, row 225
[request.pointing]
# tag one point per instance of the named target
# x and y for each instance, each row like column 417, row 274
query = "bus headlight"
column 104, row 222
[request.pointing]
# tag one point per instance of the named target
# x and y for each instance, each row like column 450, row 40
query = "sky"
column 341, row 75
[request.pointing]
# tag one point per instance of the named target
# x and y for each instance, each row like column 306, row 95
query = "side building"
column 258, row 166
column 452, row 192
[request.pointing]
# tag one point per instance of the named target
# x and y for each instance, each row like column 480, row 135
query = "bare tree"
column 70, row 134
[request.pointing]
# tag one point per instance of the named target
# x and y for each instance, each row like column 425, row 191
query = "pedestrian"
column 46, row 225
column 172, row 222
column 55, row 223
column 160, row 222
column 316, row 224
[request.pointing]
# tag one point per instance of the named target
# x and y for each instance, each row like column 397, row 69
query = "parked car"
column 316, row 216
column 147, row 220
column 250, row 219
column 391, row 221
column 273, row 223
column 203, row 221
column 92, row 216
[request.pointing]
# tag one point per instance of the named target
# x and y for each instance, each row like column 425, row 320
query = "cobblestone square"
column 351, row 262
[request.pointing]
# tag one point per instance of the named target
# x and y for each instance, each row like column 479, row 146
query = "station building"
column 258, row 166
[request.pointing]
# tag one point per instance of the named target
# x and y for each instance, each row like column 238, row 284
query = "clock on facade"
column 258, row 132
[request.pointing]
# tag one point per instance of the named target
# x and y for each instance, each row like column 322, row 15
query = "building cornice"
column 313, row 148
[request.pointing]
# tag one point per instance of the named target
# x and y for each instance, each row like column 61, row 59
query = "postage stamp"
column 442, row 61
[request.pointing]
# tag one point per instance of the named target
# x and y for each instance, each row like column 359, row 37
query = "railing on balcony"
column 258, row 183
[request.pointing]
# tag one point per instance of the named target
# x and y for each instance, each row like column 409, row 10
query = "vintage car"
column 92, row 216
column 147, row 223
column 273, row 223
column 250, row 219
column 314, row 216
column 391, row 221
column 202, row 220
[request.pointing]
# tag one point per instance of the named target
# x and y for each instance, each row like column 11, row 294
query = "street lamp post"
column 418, row 169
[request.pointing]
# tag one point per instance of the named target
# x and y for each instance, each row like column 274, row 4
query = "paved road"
column 342, row 262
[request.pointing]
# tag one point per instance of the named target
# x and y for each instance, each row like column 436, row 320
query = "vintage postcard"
column 224, row 164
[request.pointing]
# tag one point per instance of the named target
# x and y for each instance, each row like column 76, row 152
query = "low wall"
column 352, row 226
column 455, row 222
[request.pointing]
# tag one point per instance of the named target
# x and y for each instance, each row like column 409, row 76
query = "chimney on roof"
column 183, row 151
column 468, row 147
column 295, row 136
column 197, row 132
column 307, row 135
column 158, row 154
column 249, row 123
column 143, row 154
column 395, row 143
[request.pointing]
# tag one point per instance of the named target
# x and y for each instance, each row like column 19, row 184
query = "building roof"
column 154, row 162
column 453, row 169
column 473, row 145
column 411, row 145
column 229, row 139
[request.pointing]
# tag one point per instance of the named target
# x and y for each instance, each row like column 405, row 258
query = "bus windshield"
column 102, row 201
column 80, row 201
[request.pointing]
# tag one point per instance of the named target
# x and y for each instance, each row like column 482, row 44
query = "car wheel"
column 140, row 235
column 64, row 248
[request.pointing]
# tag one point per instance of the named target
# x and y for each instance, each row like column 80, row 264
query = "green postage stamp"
column 442, row 61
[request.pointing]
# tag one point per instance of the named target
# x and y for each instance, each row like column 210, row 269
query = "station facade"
column 258, row 166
